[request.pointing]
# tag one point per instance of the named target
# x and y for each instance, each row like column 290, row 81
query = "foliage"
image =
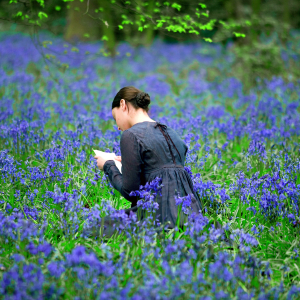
column 248, row 25
column 262, row 54
column 164, row 15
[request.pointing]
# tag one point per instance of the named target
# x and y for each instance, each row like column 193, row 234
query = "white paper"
column 109, row 156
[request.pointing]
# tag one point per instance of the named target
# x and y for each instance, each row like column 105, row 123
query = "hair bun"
column 143, row 100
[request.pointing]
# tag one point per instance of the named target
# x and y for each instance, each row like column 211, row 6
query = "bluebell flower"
column 224, row 146
column 23, row 281
column 147, row 195
column 184, row 203
column 56, row 268
column 18, row 257
column 45, row 248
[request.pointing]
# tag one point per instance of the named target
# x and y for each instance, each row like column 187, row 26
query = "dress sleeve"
column 130, row 178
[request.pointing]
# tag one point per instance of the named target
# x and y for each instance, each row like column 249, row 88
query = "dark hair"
column 136, row 97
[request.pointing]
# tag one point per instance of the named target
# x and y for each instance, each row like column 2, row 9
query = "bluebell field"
column 243, row 158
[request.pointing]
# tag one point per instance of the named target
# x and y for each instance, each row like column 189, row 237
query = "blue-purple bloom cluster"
column 147, row 195
column 243, row 159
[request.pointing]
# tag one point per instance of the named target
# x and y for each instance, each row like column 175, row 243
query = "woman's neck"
column 140, row 117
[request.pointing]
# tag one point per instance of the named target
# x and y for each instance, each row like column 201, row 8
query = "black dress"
column 149, row 150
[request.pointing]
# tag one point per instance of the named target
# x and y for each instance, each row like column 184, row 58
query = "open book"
column 109, row 156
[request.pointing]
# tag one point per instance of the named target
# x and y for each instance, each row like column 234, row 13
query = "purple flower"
column 184, row 202
column 17, row 257
column 291, row 217
column 23, row 282
column 147, row 195
column 224, row 146
column 56, row 268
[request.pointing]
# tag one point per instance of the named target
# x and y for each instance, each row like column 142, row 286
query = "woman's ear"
column 122, row 103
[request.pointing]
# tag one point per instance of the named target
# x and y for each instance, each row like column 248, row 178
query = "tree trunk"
column 237, row 9
column 286, row 12
column 234, row 10
column 229, row 6
column 286, row 21
column 256, row 6
column 150, row 31
column 80, row 26
column 108, row 27
column 255, row 10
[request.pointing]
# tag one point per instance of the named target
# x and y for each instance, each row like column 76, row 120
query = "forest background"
column 139, row 22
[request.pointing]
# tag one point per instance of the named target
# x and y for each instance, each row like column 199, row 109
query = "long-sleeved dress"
column 149, row 150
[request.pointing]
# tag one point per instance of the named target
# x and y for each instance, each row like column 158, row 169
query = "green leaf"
column 65, row 66
column 208, row 40
column 167, row 3
column 120, row 27
column 41, row 2
column 237, row 34
column 202, row 5
column 104, row 38
column 209, row 25
column 224, row 24
column 49, row 56
column 175, row 28
column 140, row 28
column 204, row 14
column 128, row 2
column 42, row 15
column 160, row 23
column 177, row 6
column 46, row 43
column 127, row 22
column 194, row 31
column 58, row 8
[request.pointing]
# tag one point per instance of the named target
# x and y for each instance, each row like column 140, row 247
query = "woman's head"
column 127, row 103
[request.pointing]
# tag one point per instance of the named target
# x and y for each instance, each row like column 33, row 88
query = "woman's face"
column 121, row 115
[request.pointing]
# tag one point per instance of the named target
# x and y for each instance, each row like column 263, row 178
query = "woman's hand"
column 100, row 161
column 118, row 158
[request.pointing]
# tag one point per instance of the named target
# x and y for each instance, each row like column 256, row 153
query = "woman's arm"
column 130, row 178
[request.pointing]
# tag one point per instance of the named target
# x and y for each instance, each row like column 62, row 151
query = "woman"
column 148, row 150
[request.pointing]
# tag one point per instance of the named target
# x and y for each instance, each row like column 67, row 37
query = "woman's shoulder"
column 133, row 133
column 139, row 129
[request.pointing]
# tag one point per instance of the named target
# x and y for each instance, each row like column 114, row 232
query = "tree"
column 80, row 26
column 144, row 17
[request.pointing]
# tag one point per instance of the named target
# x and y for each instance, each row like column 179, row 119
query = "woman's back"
column 150, row 150
column 155, row 148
